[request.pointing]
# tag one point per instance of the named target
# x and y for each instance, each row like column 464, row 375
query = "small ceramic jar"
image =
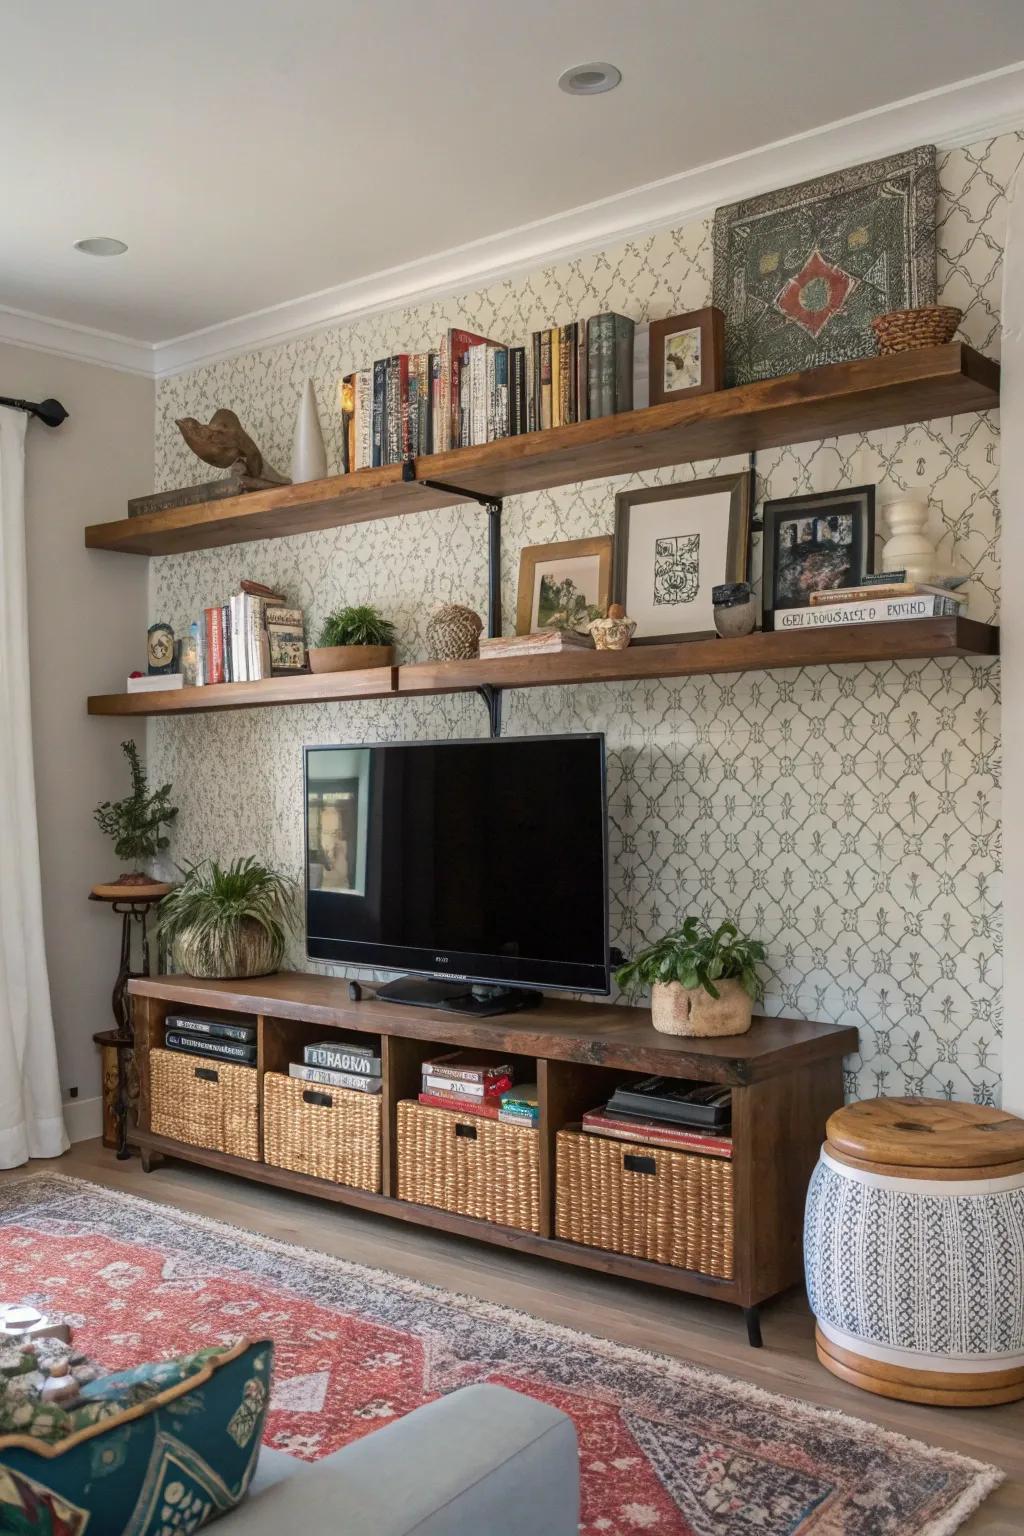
column 735, row 609
column 615, row 632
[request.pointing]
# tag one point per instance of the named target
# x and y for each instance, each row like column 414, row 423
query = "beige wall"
column 87, row 622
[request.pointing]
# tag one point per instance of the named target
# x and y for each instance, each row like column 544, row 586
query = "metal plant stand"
column 133, row 911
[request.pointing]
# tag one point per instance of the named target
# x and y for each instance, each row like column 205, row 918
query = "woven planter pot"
column 677, row 1010
column 249, row 951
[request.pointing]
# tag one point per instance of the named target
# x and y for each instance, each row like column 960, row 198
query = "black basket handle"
column 462, row 1129
column 634, row 1163
column 310, row 1096
column 207, row 1074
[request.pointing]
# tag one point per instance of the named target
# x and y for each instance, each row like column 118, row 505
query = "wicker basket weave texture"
column 681, row 1213
column 467, row 1164
column 902, row 330
column 205, row 1102
column 335, row 1137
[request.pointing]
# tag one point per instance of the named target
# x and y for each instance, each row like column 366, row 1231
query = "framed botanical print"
column 673, row 544
column 816, row 544
column 687, row 355
column 569, row 582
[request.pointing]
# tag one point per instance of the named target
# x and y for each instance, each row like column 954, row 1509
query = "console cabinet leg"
column 752, row 1318
column 150, row 1160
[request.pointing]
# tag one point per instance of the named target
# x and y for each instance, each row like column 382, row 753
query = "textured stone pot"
column 678, row 1010
column 248, row 951
column 349, row 658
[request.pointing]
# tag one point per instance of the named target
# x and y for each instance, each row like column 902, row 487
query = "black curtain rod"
column 50, row 412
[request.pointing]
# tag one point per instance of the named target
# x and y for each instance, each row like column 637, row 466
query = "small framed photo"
column 570, row 582
column 687, row 355
column 673, row 544
column 816, row 544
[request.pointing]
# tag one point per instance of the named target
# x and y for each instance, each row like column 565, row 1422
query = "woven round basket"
column 904, row 329
column 453, row 633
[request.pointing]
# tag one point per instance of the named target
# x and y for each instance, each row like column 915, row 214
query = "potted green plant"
column 136, row 824
column 703, row 980
column 353, row 637
column 228, row 922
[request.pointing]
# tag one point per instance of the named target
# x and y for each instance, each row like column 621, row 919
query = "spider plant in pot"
column 228, row 922
column 353, row 637
column 136, row 824
column 703, row 980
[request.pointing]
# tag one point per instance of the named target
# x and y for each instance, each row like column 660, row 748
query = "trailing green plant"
column 214, row 908
column 135, row 822
column 697, row 955
column 357, row 626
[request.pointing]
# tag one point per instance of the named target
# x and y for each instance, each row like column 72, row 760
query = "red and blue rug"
column 665, row 1448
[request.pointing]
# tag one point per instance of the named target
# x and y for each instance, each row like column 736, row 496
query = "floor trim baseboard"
column 83, row 1118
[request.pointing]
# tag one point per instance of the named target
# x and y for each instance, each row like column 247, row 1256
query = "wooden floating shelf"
column 905, row 640
column 823, row 402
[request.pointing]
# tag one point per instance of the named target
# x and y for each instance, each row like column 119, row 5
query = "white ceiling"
column 252, row 152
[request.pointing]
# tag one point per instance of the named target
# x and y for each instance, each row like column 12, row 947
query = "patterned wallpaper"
column 849, row 816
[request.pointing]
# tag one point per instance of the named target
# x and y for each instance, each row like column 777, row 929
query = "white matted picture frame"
column 673, row 544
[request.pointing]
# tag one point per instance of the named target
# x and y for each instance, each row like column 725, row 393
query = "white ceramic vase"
column 908, row 547
column 309, row 455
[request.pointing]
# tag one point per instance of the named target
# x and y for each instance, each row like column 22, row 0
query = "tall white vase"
column 908, row 548
column 309, row 455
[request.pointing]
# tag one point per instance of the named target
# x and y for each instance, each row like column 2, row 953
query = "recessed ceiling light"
column 589, row 79
column 101, row 245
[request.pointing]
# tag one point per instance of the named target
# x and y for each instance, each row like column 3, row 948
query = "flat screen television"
column 481, row 865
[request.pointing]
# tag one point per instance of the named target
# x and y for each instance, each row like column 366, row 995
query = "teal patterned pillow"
column 181, row 1452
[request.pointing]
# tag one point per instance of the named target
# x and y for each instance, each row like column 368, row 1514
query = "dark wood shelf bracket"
column 490, row 694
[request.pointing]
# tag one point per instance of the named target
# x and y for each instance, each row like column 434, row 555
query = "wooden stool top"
column 926, row 1133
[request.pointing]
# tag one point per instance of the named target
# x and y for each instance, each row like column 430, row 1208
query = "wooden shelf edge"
column 823, row 402
column 905, row 640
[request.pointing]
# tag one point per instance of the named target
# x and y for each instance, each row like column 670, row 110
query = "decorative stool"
column 914, row 1251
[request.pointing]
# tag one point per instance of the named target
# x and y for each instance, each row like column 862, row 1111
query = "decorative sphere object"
column 453, row 633
column 613, row 633
column 735, row 609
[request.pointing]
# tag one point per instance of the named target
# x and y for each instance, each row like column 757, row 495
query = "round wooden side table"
column 132, row 903
column 914, row 1251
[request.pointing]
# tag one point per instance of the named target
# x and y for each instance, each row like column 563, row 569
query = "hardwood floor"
column 701, row 1332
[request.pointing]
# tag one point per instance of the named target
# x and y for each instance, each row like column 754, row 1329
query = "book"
column 518, row 415
column 875, row 591
column 455, row 1087
column 340, row 1056
column 362, row 425
column 525, row 1095
column 380, row 369
column 214, row 646
column 356, row 1082
column 286, row 641
column 519, row 1114
column 623, row 332
column 544, row 382
column 555, row 349
column 488, row 1109
column 154, row 683
column 221, row 1050
column 468, row 1067
column 217, row 1029
column 877, row 611
column 655, row 1133
column 454, row 346
column 705, row 1105
column 542, row 642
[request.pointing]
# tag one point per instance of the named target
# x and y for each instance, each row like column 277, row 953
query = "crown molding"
column 965, row 112
column 81, row 343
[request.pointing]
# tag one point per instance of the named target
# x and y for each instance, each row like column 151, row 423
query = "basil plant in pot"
column 230, row 922
column 703, row 980
column 353, row 637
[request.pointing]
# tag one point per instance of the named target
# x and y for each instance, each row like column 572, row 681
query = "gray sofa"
column 482, row 1462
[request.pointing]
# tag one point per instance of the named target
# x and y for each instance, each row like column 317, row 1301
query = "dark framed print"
column 673, row 544
column 687, row 355
column 815, row 543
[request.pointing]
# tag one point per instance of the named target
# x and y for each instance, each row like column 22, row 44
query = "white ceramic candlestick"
column 908, row 548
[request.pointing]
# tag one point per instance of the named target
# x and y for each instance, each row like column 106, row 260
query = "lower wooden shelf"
column 906, row 640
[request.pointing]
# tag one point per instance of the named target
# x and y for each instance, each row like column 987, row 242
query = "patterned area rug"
column 666, row 1448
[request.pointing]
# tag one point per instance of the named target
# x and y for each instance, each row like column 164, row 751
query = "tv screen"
column 478, row 860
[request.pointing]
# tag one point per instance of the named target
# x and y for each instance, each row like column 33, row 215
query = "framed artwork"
column 572, row 578
column 687, row 355
column 801, row 273
column 815, row 544
column 673, row 544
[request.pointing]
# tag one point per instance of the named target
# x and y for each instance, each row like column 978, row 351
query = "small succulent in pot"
column 353, row 637
column 703, row 980
column 228, row 922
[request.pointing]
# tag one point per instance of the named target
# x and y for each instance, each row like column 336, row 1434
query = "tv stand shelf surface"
column 785, row 1076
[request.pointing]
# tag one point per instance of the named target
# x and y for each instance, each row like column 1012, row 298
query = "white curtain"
column 1011, row 501
column 30, row 1116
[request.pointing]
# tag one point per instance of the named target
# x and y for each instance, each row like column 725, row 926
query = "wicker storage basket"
column 330, row 1133
column 904, row 329
column 670, row 1207
column 205, row 1102
column 468, row 1164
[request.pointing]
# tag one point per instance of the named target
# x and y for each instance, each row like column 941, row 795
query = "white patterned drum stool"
column 914, row 1251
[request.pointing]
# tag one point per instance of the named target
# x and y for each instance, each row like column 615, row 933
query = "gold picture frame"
column 586, row 563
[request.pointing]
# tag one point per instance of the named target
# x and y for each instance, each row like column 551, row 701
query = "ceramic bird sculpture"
column 225, row 443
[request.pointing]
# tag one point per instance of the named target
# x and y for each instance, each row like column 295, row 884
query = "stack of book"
column 473, row 390
column 463, row 1081
column 658, row 1112
column 218, row 1035
column 541, row 642
column 520, row 1105
column 880, row 599
column 348, row 1064
column 254, row 635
